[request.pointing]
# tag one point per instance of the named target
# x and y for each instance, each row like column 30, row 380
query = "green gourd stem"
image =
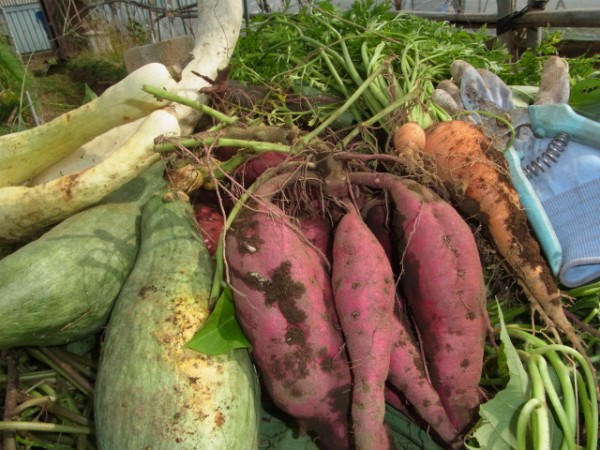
column 32, row 376
column 33, row 402
column 70, row 372
column 68, row 408
column 84, row 365
column 49, row 404
column 46, row 389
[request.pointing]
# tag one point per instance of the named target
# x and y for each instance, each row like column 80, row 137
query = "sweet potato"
column 257, row 165
column 442, row 282
column 408, row 375
column 397, row 400
column 475, row 174
column 364, row 296
column 210, row 223
column 377, row 216
column 284, row 304
column 317, row 230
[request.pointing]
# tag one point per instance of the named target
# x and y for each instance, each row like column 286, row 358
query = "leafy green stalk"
column 537, row 346
column 567, row 422
column 524, row 419
column 337, row 50
column 161, row 94
column 255, row 146
column 40, row 426
column 333, row 117
column 380, row 116
column 540, row 433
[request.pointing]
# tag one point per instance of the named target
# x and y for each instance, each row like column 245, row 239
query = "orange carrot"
column 475, row 174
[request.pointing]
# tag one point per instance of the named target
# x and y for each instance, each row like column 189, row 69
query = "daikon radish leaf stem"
column 162, row 94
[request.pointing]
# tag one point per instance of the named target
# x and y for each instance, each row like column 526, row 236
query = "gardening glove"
column 569, row 185
column 564, row 174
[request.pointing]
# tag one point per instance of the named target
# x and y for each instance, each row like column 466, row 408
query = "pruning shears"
column 549, row 120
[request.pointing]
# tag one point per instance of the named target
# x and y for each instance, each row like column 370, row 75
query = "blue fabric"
column 575, row 216
column 569, row 191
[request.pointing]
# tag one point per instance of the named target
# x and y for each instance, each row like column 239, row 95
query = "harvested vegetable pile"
column 259, row 256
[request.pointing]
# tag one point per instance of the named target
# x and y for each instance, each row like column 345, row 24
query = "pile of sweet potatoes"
column 358, row 294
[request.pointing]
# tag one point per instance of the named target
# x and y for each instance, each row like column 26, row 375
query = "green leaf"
column 221, row 333
column 89, row 94
column 12, row 71
column 406, row 433
column 585, row 97
column 496, row 429
column 278, row 432
column 523, row 96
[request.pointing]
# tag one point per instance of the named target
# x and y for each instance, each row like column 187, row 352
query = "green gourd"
column 62, row 286
column 152, row 392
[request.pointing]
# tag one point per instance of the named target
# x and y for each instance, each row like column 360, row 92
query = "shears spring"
column 548, row 157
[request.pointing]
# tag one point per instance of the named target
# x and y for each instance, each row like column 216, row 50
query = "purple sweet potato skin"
column 317, row 230
column 377, row 217
column 442, row 284
column 364, row 296
column 283, row 300
column 407, row 373
column 256, row 166
column 408, row 376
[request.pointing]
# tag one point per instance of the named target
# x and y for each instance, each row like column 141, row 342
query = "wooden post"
column 533, row 37
column 508, row 38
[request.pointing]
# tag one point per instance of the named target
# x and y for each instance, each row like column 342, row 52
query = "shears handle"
column 548, row 120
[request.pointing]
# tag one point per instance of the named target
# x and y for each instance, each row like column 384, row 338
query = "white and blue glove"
column 558, row 177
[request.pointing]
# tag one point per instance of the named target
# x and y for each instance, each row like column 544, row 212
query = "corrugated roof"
column 17, row 2
column 160, row 3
